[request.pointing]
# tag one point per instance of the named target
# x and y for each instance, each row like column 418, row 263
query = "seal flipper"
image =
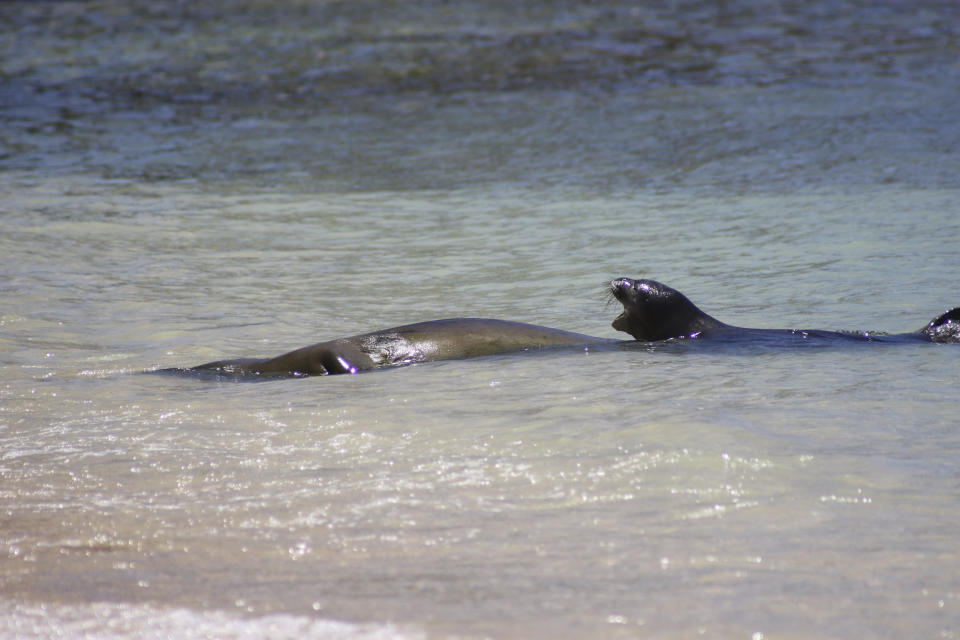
column 325, row 358
column 944, row 328
column 344, row 357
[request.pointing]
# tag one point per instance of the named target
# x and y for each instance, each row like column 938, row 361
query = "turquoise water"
column 186, row 184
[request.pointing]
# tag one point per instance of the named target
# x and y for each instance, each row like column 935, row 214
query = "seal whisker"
column 609, row 294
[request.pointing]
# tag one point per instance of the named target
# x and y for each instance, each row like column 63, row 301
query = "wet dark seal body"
column 653, row 311
column 424, row 341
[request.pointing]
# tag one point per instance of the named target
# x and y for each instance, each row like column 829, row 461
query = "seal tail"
column 944, row 328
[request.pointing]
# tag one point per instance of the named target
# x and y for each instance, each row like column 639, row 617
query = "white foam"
column 110, row 621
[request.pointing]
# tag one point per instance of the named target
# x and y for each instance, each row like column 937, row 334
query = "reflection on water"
column 182, row 183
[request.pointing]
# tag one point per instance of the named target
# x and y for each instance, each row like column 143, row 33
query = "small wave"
column 108, row 621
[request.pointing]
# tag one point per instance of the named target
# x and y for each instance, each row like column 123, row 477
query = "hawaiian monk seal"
column 653, row 311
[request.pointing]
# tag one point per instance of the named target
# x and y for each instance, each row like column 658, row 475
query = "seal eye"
column 643, row 289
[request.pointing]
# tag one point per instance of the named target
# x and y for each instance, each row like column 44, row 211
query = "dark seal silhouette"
column 653, row 311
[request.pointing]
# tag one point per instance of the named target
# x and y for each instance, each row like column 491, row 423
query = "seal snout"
column 620, row 287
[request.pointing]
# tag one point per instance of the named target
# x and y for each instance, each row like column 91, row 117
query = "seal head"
column 944, row 328
column 653, row 311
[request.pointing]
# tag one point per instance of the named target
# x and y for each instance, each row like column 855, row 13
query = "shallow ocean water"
column 182, row 184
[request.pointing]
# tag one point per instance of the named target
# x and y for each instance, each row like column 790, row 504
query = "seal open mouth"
column 620, row 322
column 618, row 290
